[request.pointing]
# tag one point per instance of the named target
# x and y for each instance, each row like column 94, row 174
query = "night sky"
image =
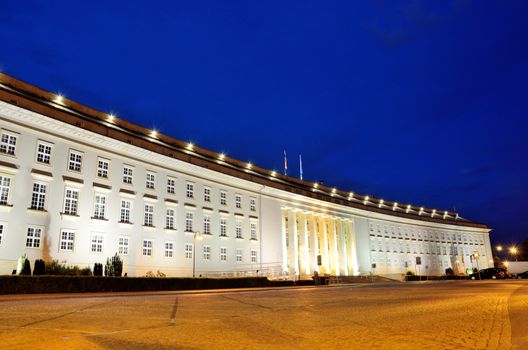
column 417, row 102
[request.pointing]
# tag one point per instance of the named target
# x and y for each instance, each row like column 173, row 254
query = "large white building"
column 78, row 185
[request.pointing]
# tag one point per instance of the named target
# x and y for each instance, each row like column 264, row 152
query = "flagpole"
column 300, row 166
column 285, row 163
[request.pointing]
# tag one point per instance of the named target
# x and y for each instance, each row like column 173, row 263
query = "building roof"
column 38, row 100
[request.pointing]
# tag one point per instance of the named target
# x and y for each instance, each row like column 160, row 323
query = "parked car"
column 490, row 273
column 522, row 275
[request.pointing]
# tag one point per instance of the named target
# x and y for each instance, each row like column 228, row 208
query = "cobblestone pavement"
column 421, row 315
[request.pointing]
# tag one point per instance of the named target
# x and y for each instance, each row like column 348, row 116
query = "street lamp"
column 499, row 248
column 199, row 235
column 514, row 251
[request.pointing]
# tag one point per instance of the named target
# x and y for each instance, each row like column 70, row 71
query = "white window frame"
column 169, row 218
column 189, row 218
column 253, row 255
column 123, row 245
column 75, row 164
column 207, row 252
column 8, row 141
column 38, row 196
column 238, row 229
column 169, row 249
column 252, row 204
column 34, row 236
column 189, row 190
column 223, row 227
column 189, row 251
column 253, row 228
column 5, row 186
column 171, row 185
column 238, row 201
column 103, row 168
column 207, row 194
column 71, row 201
column 128, row 174
column 147, row 247
column 67, row 241
column 148, row 217
column 44, row 153
column 238, row 255
column 100, row 201
column 97, row 243
column 125, row 211
column 223, row 253
column 223, row 197
column 150, row 180
column 207, row 224
column 2, row 229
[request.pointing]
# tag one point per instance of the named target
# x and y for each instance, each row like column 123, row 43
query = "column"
column 306, row 252
column 293, row 251
column 314, row 242
column 353, row 248
column 344, row 247
column 325, row 252
column 335, row 236
column 285, row 247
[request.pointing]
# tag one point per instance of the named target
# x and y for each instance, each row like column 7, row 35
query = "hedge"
column 434, row 278
column 18, row 284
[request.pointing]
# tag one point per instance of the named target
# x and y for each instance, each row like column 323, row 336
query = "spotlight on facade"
column 273, row 173
column 190, row 146
column 433, row 213
column 316, row 185
column 380, row 203
column 221, row 156
column 350, row 195
column 111, row 118
column 334, row 190
column 366, row 199
column 421, row 211
column 154, row 133
column 408, row 208
column 249, row 165
column 59, row 99
column 395, row 205
column 445, row 214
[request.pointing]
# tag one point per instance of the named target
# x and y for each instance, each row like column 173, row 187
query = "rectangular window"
column 127, row 174
column 66, row 241
column 151, row 178
column 97, row 243
column 147, row 247
column 99, row 206
column 171, row 185
column 207, row 252
column 102, row 168
column 71, row 200
column 38, row 198
column 5, row 183
column 207, row 225
column 169, row 219
column 238, row 201
column 1, row 233
column 238, row 229
column 238, row 255
column 253, row 255
column 223, row 227
column 207, row 194
column 126, row 207
column 33, row 237
column 253, row 204
column 123, row 246
column 190, row 190
column 75, row 161
column 188, row 251
column 8, row 143
column 149, row 214
column 223, row 198
column 253, row 228
column 189, row 222
column 43, row 153
column 169, row 249
column 223, row 254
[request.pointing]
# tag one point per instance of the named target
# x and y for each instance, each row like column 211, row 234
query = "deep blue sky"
column 418, row 102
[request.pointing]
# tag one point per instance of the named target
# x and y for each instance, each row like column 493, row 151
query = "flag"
column 285, row 163
column 300, row 167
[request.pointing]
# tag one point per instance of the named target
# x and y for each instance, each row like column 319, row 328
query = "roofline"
column 40, row 101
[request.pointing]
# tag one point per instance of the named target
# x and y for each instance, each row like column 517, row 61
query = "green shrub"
column 114, row 266
column 26, row 270
column 54, row 268
column 410, row 273
column 98, row 269
column 39, row 268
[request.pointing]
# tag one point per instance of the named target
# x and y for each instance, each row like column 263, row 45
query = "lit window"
column 207, row 225
column 169, row 219
column 223, row 227
column 207, row 194
column 223, row 198
column 71, row 199
column 189, row 221
column 238, row 229
column 190, row 190
column 126, row 207
column 33, row 237
column 147, row 247
column 75, row 161
column 123, row 246
column 149, row 214
column 8, row 143
column 253, row 204
column 66, row 241
column 99, row 206
column 171, row 184
column 102, row 168
column 127, row 174
column 238, row 201
column 38, row 198
column 223, row 254
column 1, row 233
column 150, row 181
column 97, row 243
column 5, row 183
column 169, row 249
column 207, row 252
column 253, row 255
column 253, row 229
column 43, row 153
column 238, row 255
column 188, row 251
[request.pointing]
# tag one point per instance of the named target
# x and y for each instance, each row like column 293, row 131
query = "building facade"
column 78, row 186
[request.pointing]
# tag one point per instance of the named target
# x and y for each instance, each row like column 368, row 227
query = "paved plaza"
column 421, row 315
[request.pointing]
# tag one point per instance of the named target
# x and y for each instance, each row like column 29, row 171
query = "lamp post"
column 514, row 251
column 195, row 234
